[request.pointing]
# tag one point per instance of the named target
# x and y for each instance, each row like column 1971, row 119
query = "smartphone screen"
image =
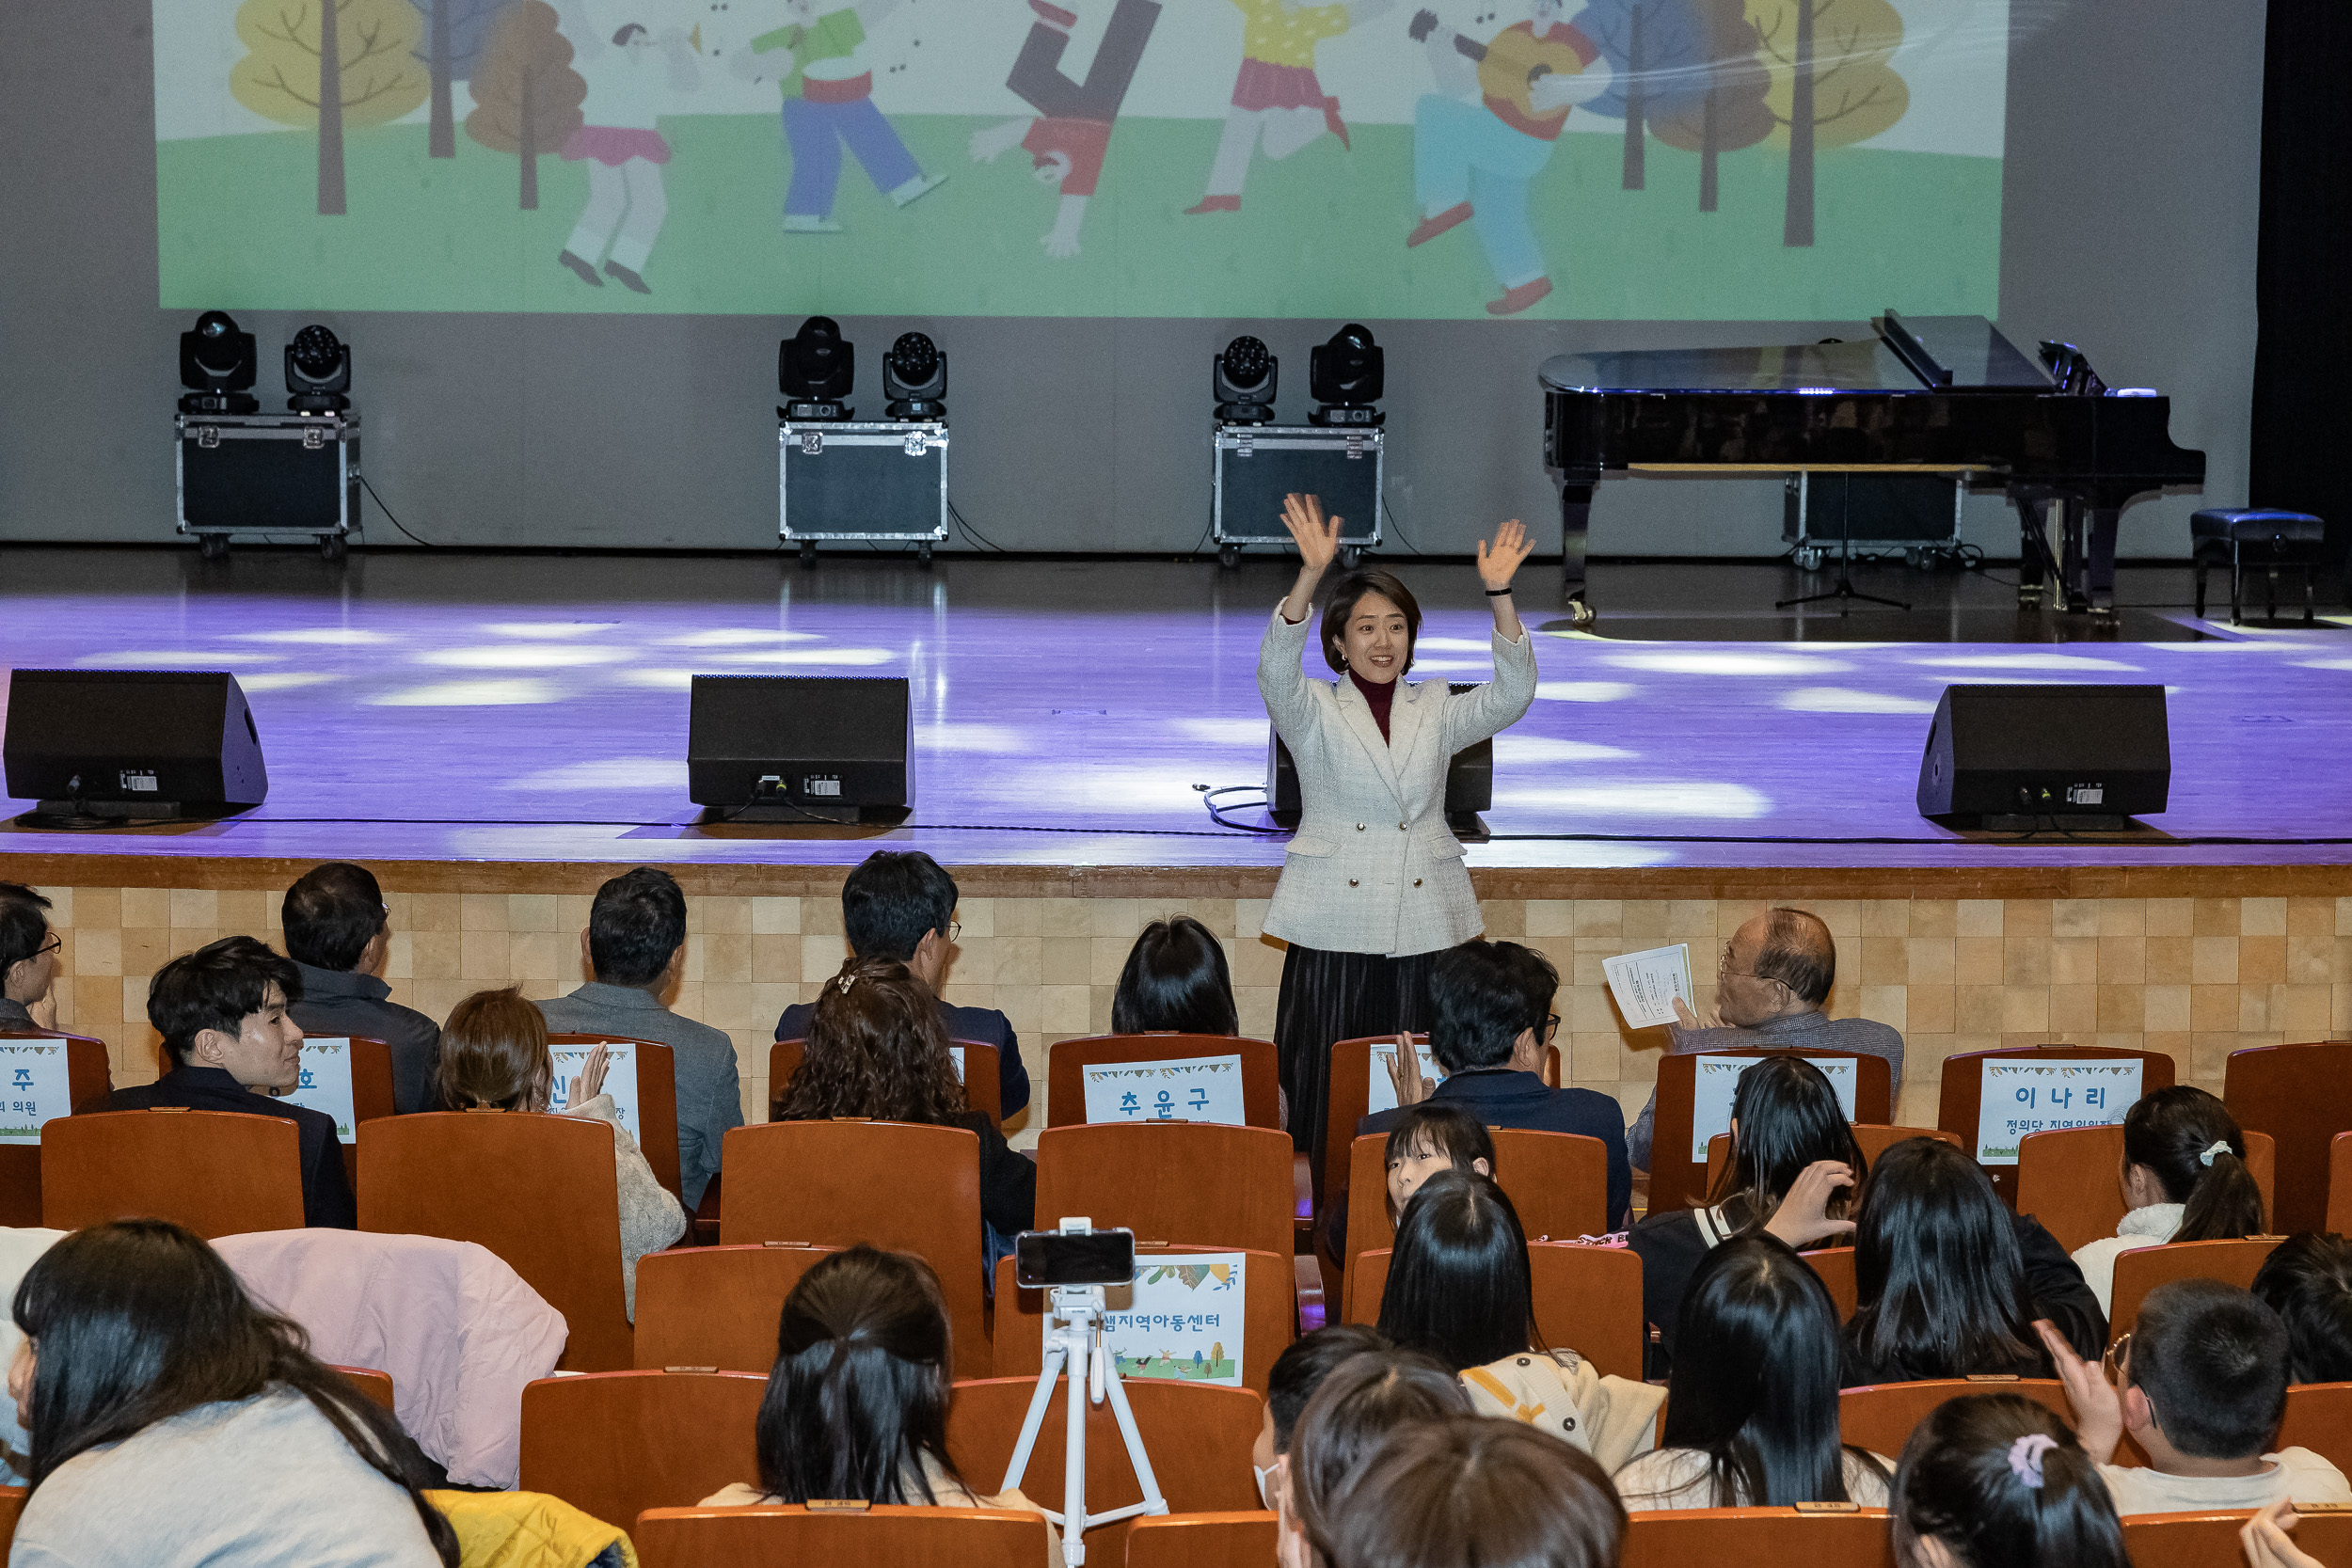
column 1046, row 1258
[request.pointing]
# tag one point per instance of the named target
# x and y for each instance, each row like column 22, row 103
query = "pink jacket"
column 457, row 1330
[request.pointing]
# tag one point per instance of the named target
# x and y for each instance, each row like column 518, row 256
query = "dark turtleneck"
column 1379, row 697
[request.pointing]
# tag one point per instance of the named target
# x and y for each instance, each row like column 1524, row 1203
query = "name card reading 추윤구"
column 1180, row 1319
column 326, row 1083
column 1717, row 1079
column 2021, row 1097
column 620, row 1079
column 34, row 1087
column 1189, row 1088
column 1645, row 984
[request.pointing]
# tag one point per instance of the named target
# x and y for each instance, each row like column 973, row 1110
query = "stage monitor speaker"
column 1469, row 782
column 2021, row 757
column 122, row 745
column 801, row 748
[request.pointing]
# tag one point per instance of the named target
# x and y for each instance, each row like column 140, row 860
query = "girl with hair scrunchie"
column 1998, row 1480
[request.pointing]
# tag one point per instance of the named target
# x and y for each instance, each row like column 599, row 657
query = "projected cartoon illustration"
column 1597, row 160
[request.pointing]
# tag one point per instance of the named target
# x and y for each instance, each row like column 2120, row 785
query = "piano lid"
column 1969, row 347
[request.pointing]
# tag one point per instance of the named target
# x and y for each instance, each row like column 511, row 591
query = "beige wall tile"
column 2261, row 961
column 2216, row 917
column 194, row 909
column 2026, row 917
column 1979, row 917
column 1934, row 917
column 1556, row 917
column 2123, row 917
column 2171, row 917
column 2073, row 961
column 2074, row 917
column 2122, row 960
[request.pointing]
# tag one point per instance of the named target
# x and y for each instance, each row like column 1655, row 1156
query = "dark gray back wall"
column 2130, row 198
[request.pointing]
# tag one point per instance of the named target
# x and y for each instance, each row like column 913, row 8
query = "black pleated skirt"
column 1338, row 996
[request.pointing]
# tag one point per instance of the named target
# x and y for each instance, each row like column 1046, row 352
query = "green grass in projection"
column 1321, row 234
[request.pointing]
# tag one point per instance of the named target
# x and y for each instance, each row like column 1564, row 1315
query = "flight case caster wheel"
column 808, row 552
column 332, row 546
column 1808, row 559
column 213, row 546
column 1350, row 556
column 1229, row 556
column 922, row 555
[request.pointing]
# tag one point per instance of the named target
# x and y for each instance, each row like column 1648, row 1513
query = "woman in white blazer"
column 1373, row 885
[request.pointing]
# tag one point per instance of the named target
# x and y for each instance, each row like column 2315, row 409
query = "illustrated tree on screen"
column 1656, row 51
column 329, row 63
column 455, row 32
column 1830, row 83
column 1726, row 109
column 526, row 94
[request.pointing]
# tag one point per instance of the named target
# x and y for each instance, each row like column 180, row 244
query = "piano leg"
column 2099, row 558
column 1575, row 516
column 2074, row 570
column 2033, row 549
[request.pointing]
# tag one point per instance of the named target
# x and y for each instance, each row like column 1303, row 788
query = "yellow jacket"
column 1287, row 37
column 530, row 1529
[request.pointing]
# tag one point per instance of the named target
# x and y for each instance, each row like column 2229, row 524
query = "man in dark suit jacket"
column 222, row 1012
column 337, row 933
column 901, row 905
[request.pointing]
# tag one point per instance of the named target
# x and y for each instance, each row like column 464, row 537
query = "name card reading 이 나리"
column 1718, row 1077
column 34, row 1087
column 620, row 1079
column 2021, row 1097
column 326, row 1083
column 1189, row 1088
column 1182, row 1319
column 1381, row 1088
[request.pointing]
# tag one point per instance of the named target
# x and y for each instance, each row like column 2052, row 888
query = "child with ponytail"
column 2184, row 1177
column 1997, row 1481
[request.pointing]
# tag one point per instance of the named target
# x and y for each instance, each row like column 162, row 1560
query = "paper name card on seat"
column 1380, row 1089
column 620, row 1079
column 2021, row 1097
column 1718, row 1077
column 1646, row 983
column 34, row 1087
column 1180, row 1319
column 956, row 1054
column 1189, row 1088
column 326, row 1083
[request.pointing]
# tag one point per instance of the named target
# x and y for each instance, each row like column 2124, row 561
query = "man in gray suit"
column 1769, row 983
column 338, row 934
column 635, row 946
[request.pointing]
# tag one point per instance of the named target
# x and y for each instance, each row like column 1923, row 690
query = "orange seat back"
column 540, row 1192
column 2301, row 1094
column 89, row 1081
column 1676, row 1178
column 376, row 1385
column 1067, row 1061
column 2339, row 1183
column 1202, row 1541
column 983, row 1090
column 219, row 1173
column 2210, row 1540
column 1880, row 1417
column 656, row 1099
column 11, row 1507
column 1263, row 1325
column 1961, row 1101
column 615, row 1444
column 717, row 1306
column 2319, row 1417
column 2071, row 1179
column 1587, row 1299
column 893, row 1184
column 1211, row 1185
column 2143, row 1269
column 1767, row 1537
column 1833, row 1265
column 1557, row 1181
column 867, row 1537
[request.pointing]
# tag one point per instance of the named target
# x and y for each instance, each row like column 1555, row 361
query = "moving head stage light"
column 1345, row 378
column 1243, row 379
column 816, row 373
column 217, row 366
column 914, row 379
column 318, row 372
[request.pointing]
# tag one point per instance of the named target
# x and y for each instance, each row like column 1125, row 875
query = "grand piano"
column 1922, row 394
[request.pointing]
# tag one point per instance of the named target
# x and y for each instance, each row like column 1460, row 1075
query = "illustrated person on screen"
column 1279, row 105
column 1489, row 129
column 628, row 72
column 1073, row 128
column 817, row 57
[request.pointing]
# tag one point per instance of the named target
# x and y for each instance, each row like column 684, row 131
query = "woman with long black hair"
column 2184, row 1177
column 1372, row 886
column 173, row 1421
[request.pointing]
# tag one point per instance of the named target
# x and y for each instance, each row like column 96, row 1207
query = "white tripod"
column 1076, row 1312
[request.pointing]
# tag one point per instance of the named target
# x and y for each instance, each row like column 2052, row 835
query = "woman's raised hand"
column 1499, row 562
column 588, row 1081
column 1802, row 1216
column 1318, row 541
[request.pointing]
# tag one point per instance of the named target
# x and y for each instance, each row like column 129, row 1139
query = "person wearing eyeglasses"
column 1770, row 982
column 28, row 961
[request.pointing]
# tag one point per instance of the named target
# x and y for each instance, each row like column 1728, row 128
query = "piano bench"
column 2223, row 535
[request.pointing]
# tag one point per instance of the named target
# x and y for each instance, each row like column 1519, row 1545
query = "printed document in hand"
column 1645, row 984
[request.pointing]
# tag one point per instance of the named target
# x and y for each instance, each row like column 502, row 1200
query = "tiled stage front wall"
column 2197, row 977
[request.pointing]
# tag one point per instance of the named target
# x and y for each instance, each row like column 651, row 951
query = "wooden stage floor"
column 531, row 710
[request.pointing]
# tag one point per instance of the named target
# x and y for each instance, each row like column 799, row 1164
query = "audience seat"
column 982, row 1088
column 891, row 1183
column 1209, row 1184
column 2238, row 537
column 717, row 1306
column 1588, row 1299
column 615, row 1444
column 2072, row 1180
column 1834, row 1266
column 2143, row 1269
column 1202, row 1541
column 657, row 1099
column 88, row 1079
column 1268, row 1313
column 2319, row 1417
column 1821, row 1536
column 1067, row 1062
column 1197, row 1437
column 1875, row 1138
column 219, row 1173
column 11, row 1507
column 1558, row 1182
column 854, row 1538
column 1881, row 1416
column 2211, row 1539
column 2338, row 1184
column 1961, row 1102
column 376, row 1385
column 1675, row 1179
column 539, row 1192
column 1347, row 1099
column 2301, row 1094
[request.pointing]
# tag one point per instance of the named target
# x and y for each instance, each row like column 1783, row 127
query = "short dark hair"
column 2213, row 1361
column 1303, row 1365
column 1959, row 1484
column 1800, row 952
column 638, row 920
column 1342, row 603
column 330, row 914
column 1433, row 1126
column 1176, row 979
column 23, row 927
column 2307, row 1280
column 1459, row 1287
column 1361, row 1402
column 1477, row 1005
column 892, row 900
column 1540, row 979
column 218, row 987
column 1464, row 1491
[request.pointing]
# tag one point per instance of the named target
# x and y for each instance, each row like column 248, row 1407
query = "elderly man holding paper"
column 1771, row 981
